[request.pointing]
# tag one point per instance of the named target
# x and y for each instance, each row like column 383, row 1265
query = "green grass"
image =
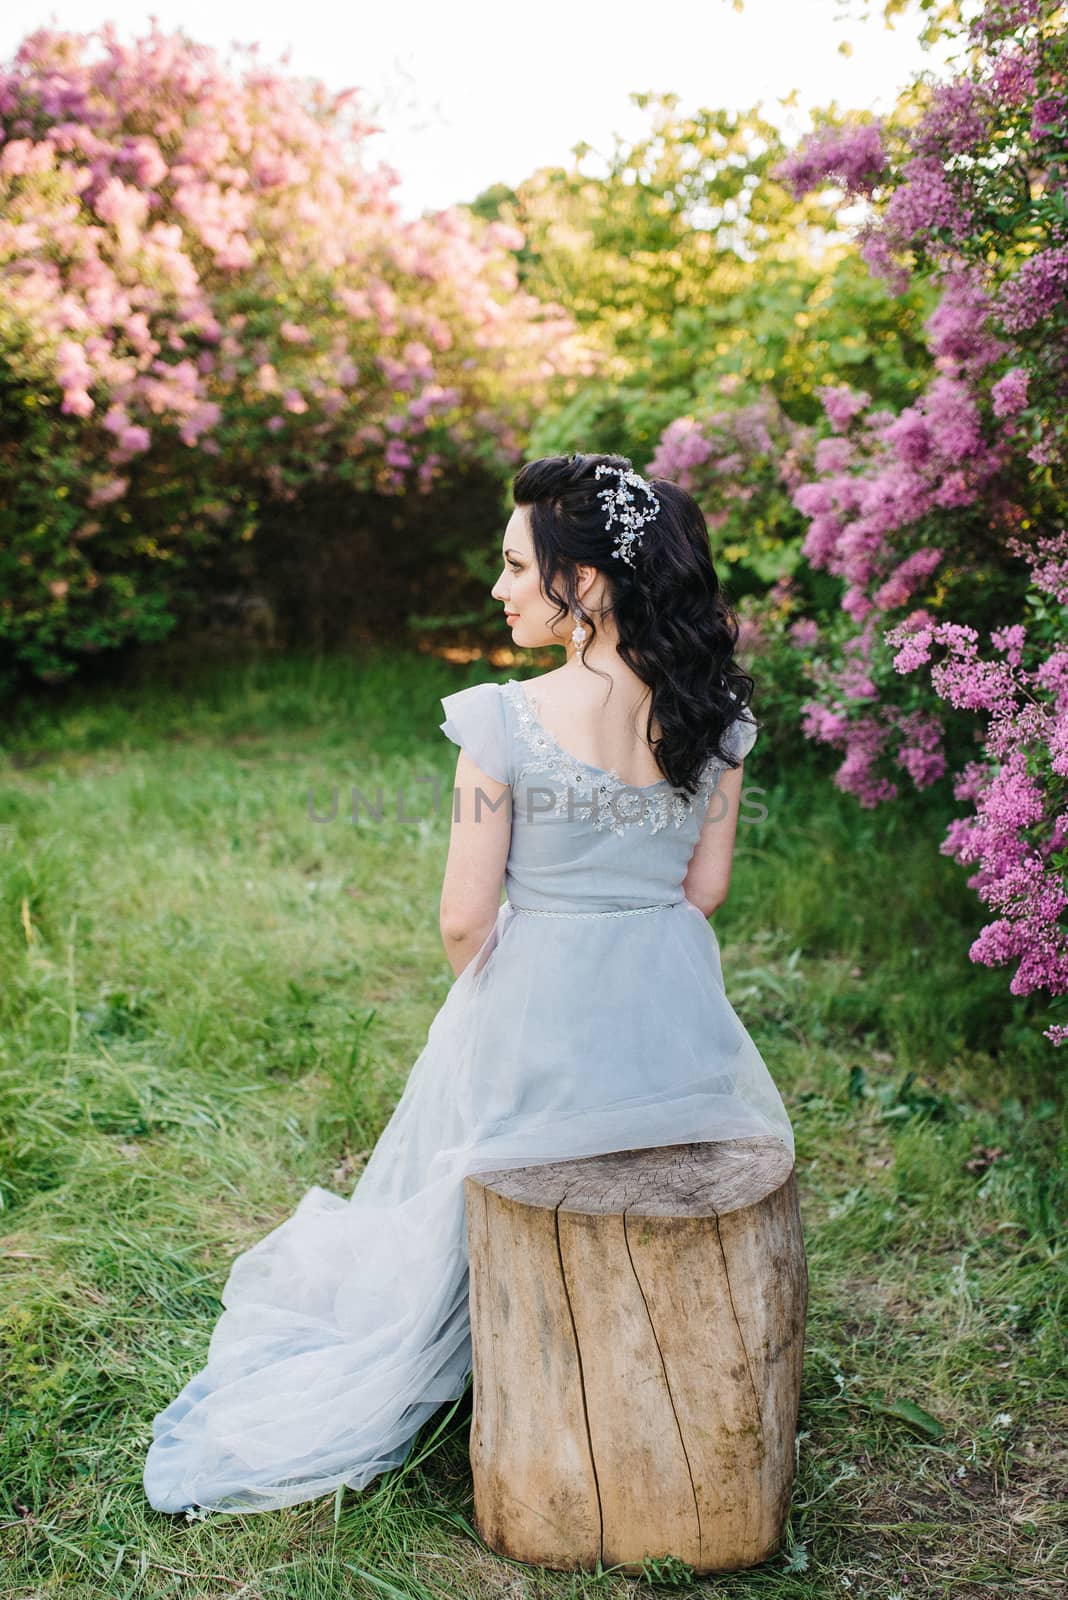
column 210, row 1002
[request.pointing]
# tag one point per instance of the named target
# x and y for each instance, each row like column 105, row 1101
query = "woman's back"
column 582, row 839
column 599, row 718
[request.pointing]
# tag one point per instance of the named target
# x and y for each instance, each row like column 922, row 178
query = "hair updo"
column 676, row 628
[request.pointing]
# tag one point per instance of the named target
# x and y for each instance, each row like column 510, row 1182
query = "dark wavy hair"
column 677, row 629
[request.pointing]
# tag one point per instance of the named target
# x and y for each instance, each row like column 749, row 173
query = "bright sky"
column 470, row 93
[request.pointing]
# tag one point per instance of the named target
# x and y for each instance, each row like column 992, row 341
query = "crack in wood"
column 667, row 1385
column 582, row 1377
column 741, row 1340
column 490, row 1316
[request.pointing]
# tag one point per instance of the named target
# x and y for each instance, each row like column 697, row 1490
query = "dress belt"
column 626, row 911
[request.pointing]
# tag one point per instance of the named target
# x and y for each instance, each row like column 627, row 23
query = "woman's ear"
column 585, row 578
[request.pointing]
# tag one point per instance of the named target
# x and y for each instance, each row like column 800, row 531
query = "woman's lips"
column 510, row 616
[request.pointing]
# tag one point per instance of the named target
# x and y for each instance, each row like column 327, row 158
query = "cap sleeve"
column 741, row 735
column 475, row 720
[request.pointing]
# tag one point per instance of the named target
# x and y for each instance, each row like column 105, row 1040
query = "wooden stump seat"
column 637, row 1327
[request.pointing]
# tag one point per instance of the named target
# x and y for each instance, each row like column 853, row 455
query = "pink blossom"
column 1009, row 394
column 957, row 119
column 107, row 490
column 116, row 418
column 805, row 633
column 143, row 156
column 899, row 588
column 1011, row 641
column 1039, row 285
column 877, row 252
column 1046, row 450
column 149, row 188
column 1052, row 676
column 920, row 751
column 16, row 158
column 928, row 203
column 959, row 332
column 833, row 454
column 999, row 17
column 1012, row 80
column 913, row 646
column 397, row 454
column 910, row 437
column 973, row 685
column 841, row 403
column 76, row 403
column 1049, row 115
column 681, row 448
column 205, row 414
column 854, row 156
column 134, row 438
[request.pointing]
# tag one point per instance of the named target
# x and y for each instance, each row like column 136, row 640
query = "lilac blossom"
column 1037, row 288
column 852, row 156
column 1009, row 394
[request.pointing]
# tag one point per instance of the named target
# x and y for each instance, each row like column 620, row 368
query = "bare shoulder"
column 578, row 690
column 587, row 698
column 546, row 687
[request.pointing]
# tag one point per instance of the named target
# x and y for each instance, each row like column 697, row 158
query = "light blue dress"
column 593, row 1018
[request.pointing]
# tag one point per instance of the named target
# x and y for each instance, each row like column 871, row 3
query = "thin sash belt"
column 625, row 911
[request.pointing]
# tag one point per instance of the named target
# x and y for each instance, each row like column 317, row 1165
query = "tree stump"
column 637, row 1325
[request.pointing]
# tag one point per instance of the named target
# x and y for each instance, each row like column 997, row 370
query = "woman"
column 588, row 1012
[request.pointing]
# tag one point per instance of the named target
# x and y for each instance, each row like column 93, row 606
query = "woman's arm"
column 708, row 875
column 480, row 834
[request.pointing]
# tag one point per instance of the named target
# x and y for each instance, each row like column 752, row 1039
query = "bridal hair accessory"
column 621, row 507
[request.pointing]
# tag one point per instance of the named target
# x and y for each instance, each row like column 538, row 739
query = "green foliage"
column 686, row 264
column 699, row 279
column 73, row 584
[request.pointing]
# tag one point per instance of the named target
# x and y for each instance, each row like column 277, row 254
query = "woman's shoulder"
column 536, row 679
column 475, row 719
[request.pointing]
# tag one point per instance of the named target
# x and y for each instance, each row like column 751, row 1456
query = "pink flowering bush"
column 744, row 461
column 945, row 521
column 209, row 303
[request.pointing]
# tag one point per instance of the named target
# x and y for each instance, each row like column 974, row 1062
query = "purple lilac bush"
column 945, row 522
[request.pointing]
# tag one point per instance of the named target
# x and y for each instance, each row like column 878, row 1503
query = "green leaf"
column 906, row 1411
column 419, row 1593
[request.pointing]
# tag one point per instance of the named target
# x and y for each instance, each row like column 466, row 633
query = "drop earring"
column 578, row 633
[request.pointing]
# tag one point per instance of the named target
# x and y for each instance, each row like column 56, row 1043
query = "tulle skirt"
column 347, row 1326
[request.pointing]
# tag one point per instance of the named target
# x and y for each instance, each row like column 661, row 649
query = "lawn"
column 210, row 1001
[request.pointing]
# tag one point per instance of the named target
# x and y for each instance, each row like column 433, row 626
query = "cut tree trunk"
column 637, row 1324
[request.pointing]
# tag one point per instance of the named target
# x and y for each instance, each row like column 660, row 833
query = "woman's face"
column 527, row 611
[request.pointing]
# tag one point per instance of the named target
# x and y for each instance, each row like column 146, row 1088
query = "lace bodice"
column 613, row 803
column 581, row 835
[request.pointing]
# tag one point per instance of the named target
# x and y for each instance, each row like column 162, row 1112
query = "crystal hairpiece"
column 620, row 506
